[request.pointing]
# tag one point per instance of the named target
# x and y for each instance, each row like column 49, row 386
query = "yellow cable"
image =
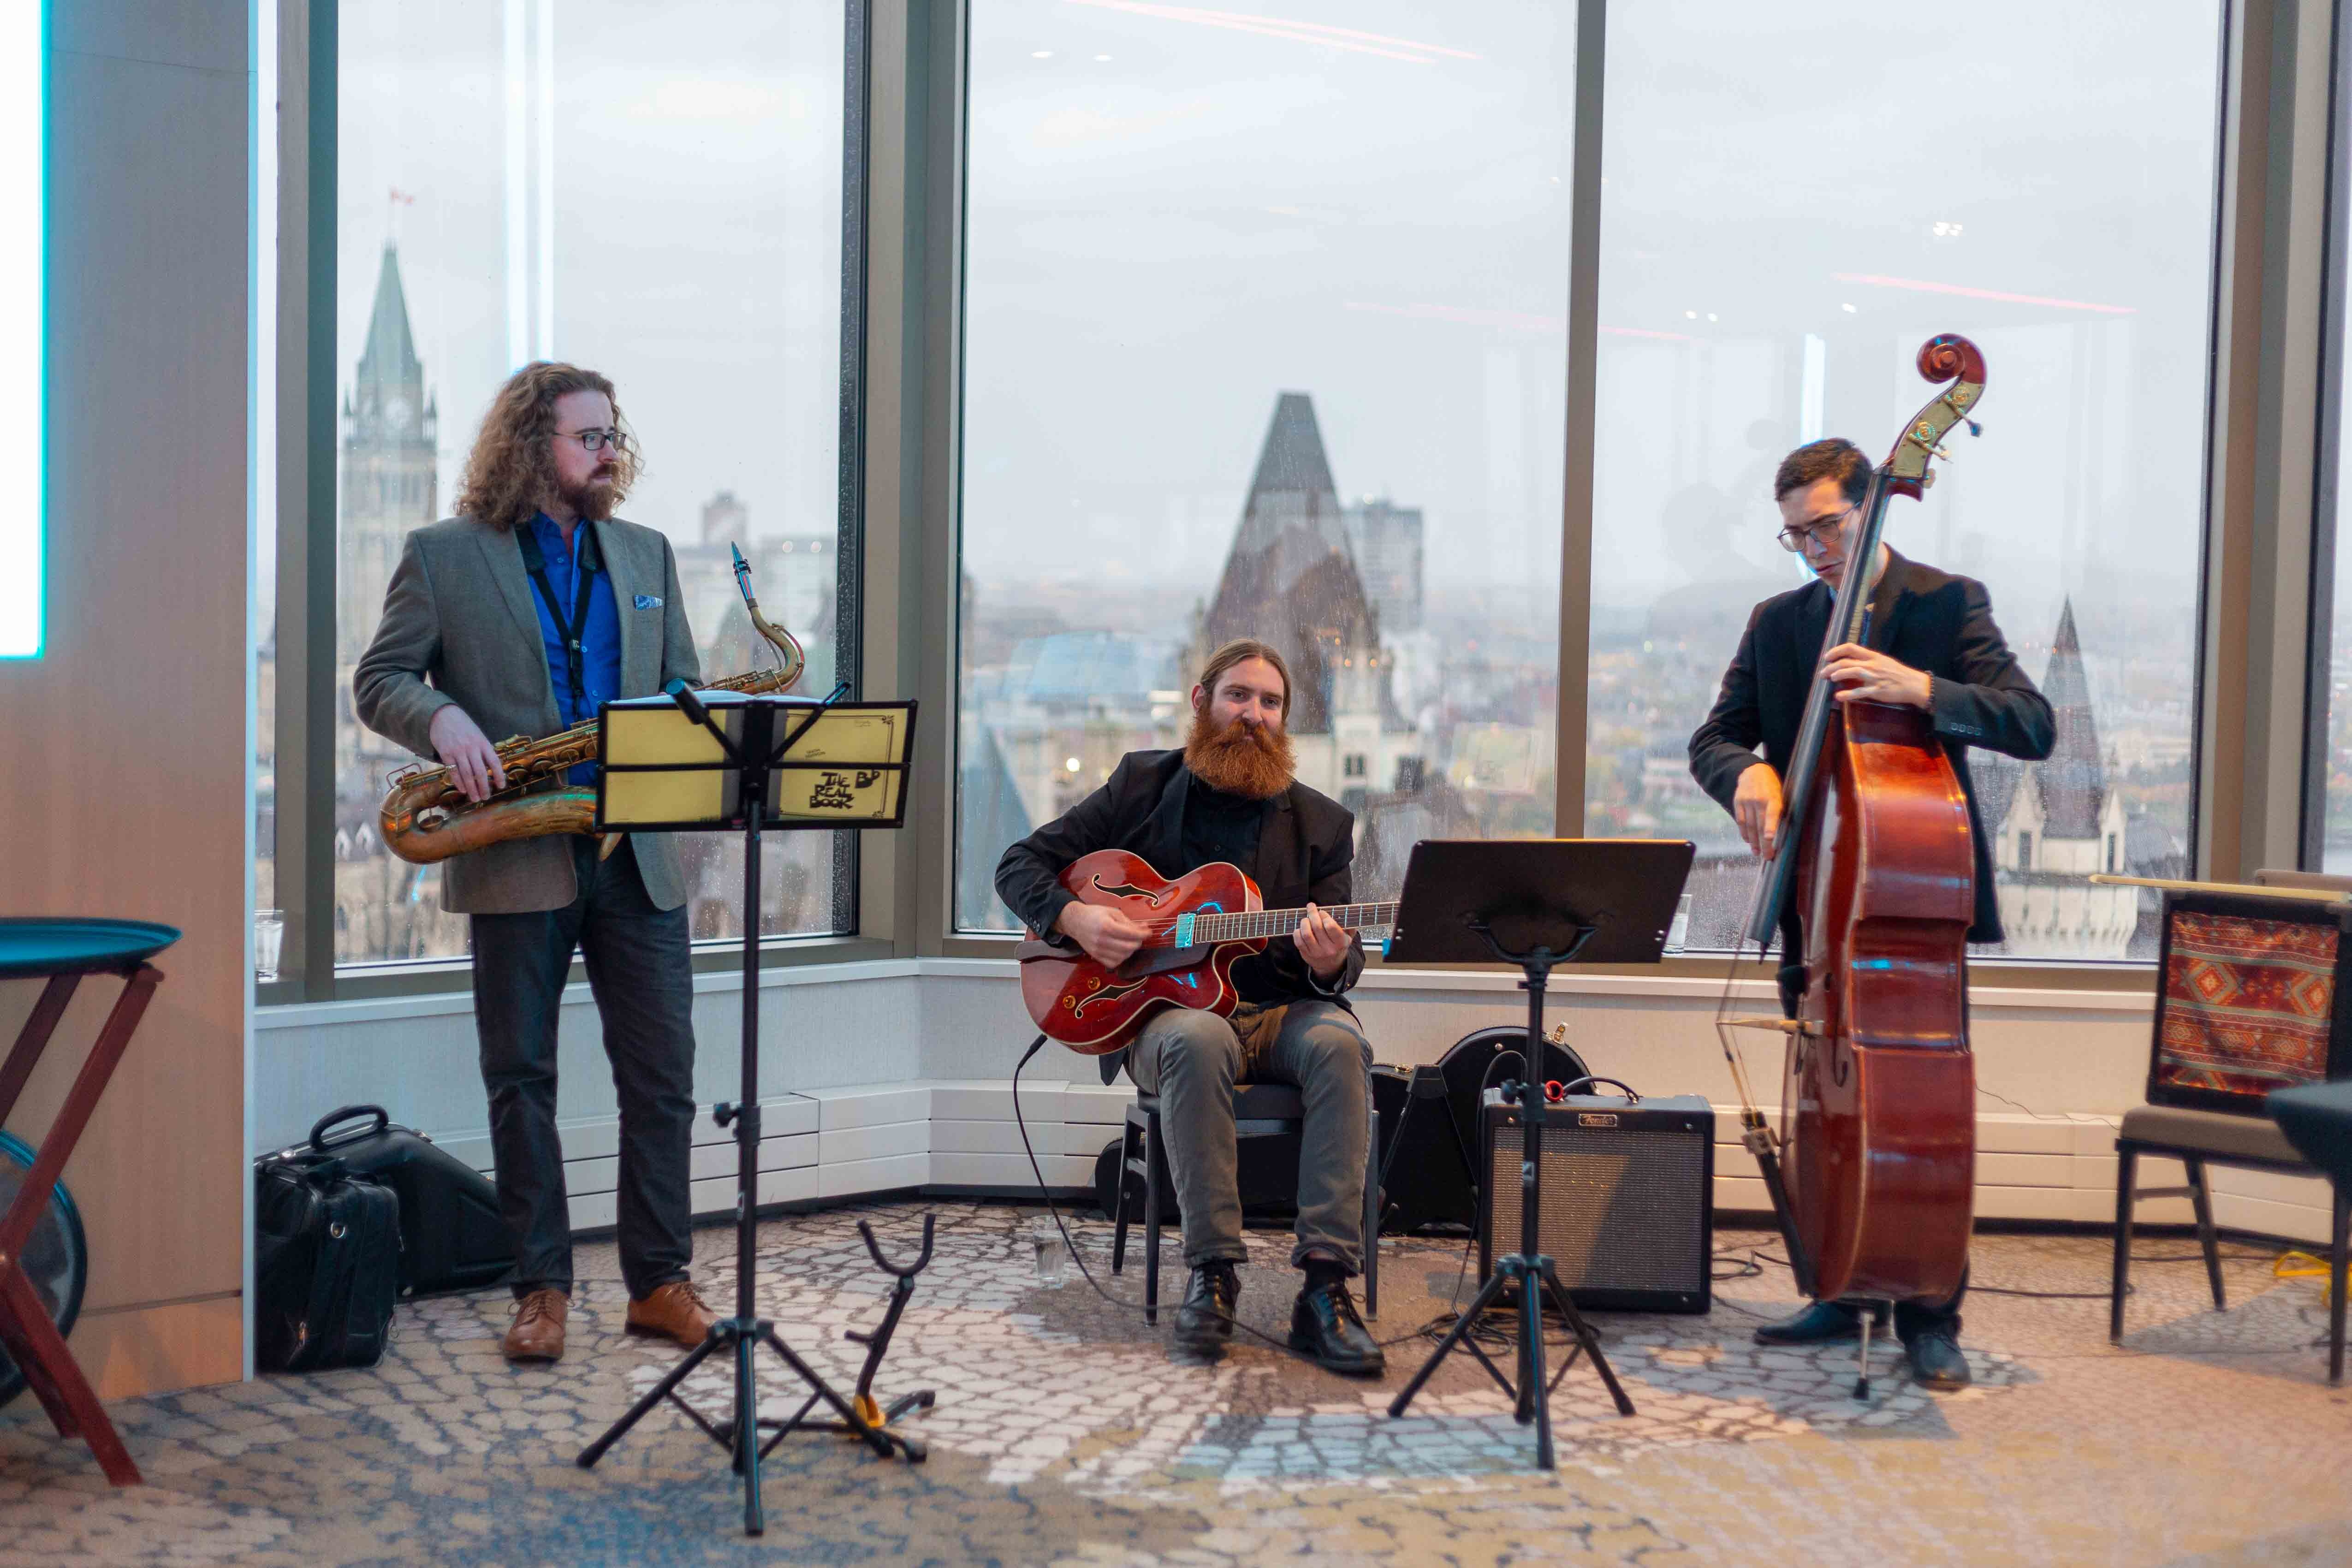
column 2300, row 1264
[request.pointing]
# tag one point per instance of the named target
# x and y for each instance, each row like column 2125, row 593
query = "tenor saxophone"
column 425, row 818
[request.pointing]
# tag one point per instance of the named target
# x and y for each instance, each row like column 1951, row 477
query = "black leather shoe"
column 1820, row 1323
column 1936, row 1360
column 1205, row 1321
column 1324, row 1323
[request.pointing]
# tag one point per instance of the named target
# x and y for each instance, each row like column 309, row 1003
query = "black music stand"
column 1535, row 904
column 690, row 761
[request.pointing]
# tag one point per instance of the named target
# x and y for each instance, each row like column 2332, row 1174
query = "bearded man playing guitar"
column 1930, row 643
column 1229, row 796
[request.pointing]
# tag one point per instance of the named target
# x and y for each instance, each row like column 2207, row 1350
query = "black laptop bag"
column 325, row 1267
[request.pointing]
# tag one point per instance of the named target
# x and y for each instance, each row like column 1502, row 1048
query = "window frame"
column 2319, row 673
column 2244, row 112
column 308, row 430
column 2269, row 478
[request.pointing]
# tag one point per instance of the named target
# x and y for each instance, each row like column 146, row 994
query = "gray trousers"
column 1191, row 1061
column 641, row 973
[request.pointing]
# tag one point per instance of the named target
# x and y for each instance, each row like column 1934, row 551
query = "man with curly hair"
column 520, row 617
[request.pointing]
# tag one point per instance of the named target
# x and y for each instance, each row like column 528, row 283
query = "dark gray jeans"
column 639, row 972
column 1191, row 1061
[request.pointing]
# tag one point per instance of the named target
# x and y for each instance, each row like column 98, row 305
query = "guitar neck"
column 1198, row 930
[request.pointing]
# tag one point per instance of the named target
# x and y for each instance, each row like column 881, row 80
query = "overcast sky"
column 696, row 182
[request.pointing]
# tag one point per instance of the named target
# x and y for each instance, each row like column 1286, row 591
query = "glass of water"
column 268, row 941
column 1052, row 1255
column 1678, row 933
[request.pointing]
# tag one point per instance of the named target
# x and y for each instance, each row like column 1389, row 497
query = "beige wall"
column 123, row 777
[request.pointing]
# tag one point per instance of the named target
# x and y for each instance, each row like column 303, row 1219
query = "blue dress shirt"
column 599, row 641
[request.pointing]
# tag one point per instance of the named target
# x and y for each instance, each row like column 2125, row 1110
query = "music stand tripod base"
column 1535, row 905
column 660, row 773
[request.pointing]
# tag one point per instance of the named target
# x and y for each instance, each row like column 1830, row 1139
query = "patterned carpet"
column 1065, row 1434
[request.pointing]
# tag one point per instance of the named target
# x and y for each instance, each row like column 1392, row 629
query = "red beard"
column 1252, row 762
column 593, row 501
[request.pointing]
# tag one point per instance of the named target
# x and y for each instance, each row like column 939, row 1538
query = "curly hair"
column 511, row 468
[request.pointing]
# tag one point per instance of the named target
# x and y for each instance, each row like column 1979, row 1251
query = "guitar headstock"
column 1948, row 357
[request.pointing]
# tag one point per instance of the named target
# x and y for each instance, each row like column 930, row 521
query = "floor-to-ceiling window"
column 652, row 191
column 1265, row 335
column 1795, row 200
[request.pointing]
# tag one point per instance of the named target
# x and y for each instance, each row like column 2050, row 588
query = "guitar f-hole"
column 1129, row 890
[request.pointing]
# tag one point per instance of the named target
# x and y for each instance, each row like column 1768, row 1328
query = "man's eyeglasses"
column 597, row 440
column 1821, row 531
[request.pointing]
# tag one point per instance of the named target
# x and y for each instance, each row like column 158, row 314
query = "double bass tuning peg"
column 1974, row 428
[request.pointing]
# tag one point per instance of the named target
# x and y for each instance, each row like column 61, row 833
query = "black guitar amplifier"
column 1625, row 1211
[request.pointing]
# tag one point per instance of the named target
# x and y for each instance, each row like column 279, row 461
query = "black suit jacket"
column 1927, row 619
column 1304, row 856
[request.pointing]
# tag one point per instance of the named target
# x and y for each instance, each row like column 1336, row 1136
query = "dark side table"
column 62, row 951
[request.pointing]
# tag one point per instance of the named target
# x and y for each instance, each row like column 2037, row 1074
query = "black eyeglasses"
column 596, row 440
column 1794, row 540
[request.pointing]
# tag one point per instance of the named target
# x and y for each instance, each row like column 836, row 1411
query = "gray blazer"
column 459, row 626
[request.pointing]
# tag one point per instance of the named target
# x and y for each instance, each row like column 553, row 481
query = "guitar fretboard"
column 1204, row 930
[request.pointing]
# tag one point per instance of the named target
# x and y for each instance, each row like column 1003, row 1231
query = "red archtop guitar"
column 1201, row 925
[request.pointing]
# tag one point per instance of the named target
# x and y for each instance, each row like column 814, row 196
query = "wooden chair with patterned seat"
column 2254, row 994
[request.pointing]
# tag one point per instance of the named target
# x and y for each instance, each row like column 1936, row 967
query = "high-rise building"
column 390, row 483
column 1386, row 539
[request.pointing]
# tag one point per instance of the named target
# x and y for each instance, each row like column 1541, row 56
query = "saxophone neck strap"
column 574, row 631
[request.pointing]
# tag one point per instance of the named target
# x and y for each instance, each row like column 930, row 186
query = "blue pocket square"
column 649, row 601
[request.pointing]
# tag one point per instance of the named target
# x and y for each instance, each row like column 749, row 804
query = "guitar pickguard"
column 1129, row 890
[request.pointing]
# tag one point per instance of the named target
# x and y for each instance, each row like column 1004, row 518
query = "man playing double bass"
column 1930, row 643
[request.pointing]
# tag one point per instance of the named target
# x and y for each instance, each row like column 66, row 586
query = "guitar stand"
column 876, row 1418
column 741, row 1435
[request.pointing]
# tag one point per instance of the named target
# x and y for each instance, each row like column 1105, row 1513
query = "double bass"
column 1871, row 1171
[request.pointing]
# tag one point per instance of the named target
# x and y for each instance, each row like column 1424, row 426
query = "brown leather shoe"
column 674, row 1312
column 537, row 1331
